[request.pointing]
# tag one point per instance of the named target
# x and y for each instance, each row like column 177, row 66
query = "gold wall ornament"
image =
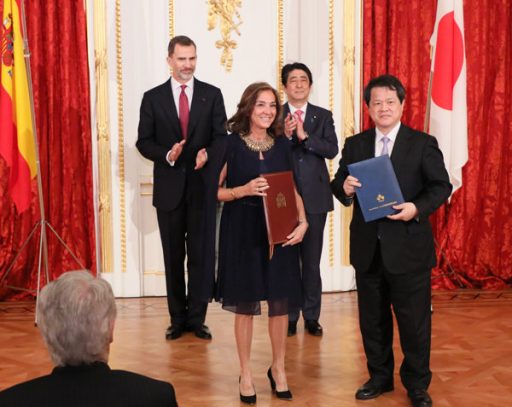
column 120, row 136
column 171, row 18
column 171, row 24
column 348, row 115
column 280, row 48
column 103, row 135
column 225, row 13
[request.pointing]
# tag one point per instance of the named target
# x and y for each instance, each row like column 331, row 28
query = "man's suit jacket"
column 159, row 130
column 419, row 167
column 309, row 158
column 90, row 385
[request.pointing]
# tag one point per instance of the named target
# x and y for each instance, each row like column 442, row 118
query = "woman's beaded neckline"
column 258, row 146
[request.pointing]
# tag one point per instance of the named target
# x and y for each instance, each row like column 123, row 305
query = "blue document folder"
column 379, row 189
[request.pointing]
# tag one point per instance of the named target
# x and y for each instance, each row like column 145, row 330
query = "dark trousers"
column 410, row 297
column 310, row 255
column 180, row 232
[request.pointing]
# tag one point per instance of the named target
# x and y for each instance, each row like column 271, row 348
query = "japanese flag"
column 448, row 108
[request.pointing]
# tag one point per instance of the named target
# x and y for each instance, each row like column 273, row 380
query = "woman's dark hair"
column 240, row 122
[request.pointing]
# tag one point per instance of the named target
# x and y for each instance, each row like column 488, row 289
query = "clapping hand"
column 176, row 150
column 290, row 124
column 201, row 159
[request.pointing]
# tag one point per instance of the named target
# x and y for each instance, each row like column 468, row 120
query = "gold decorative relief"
column 225, row 14
column 280, row 47
column 103, row 134
column 171, row 18
column 120, row 136
column 348, row 116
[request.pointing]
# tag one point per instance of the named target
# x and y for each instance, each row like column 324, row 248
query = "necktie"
column 385, row 140
column 183, row 111
column 298, row 114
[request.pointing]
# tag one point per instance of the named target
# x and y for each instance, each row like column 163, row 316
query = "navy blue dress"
column 246, row 276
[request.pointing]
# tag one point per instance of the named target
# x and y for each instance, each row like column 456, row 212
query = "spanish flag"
column 17, row 145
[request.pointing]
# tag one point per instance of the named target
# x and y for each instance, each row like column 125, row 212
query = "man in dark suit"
column 393, row 256
column 181, row 127
column 311, row 130
column 76, row 315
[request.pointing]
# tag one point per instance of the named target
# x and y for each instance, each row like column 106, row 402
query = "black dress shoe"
column 371, row 390
column 314, row 328
column 248, row 399
column 203, row 332
column 283, row 395
column 419, row 398
column 292, row 328
column 173, row 332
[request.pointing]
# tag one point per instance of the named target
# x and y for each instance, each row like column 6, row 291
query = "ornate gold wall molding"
column 103, row 130
column 171, row 19
column 348, row 110
column 280, row 48
column 226, row 14
column 120, row 136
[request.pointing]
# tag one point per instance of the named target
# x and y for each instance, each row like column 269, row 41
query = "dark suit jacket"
column 309, row 158
column 90, row 385
column 159, row 130
column 419, row 167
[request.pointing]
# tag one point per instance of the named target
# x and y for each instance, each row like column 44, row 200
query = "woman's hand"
column 297, row 235
column 256, row 186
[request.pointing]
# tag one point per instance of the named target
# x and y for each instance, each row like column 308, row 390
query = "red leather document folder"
column 280, row 206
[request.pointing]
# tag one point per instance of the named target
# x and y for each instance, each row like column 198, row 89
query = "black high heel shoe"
column 283, row 395
column 247, row 399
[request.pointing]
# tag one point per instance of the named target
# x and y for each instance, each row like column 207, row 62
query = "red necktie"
column 298, row 115
column 183, row 111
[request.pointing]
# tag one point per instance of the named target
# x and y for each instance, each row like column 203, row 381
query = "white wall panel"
column 144, row 38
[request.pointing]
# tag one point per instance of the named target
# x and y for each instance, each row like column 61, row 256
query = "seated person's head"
column 76, row 315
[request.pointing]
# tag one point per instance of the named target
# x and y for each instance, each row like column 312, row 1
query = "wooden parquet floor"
column 471, row 353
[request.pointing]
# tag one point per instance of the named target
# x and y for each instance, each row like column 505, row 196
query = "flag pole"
column 426, row 124
column 41, row 224
column 43, row 241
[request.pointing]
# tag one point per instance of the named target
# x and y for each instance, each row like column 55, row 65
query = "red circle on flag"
column 449, row 58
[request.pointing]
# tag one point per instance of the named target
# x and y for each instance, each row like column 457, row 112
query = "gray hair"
column 76, row 314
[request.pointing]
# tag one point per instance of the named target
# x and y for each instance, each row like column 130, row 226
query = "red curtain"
column 474, row 231
column 57, row 40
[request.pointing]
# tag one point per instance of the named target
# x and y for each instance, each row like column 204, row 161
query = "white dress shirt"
column 392, row 137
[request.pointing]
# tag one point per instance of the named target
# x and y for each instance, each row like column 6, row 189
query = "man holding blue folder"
column 393, row 256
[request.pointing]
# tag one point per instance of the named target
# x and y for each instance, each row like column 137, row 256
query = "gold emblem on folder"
column 280, row 200
column 380, row 198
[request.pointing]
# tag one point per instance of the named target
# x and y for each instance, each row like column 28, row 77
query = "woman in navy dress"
column 246, row 275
